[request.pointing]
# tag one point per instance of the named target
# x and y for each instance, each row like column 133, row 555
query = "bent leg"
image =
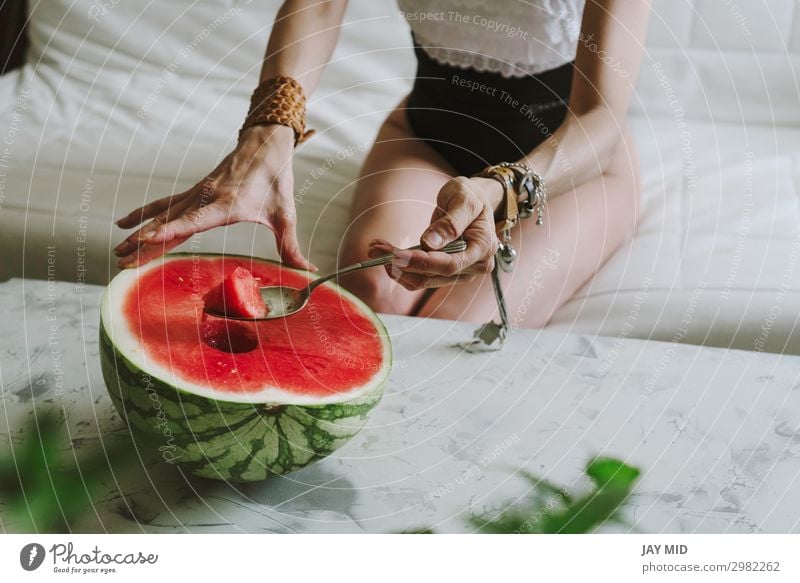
column 394, row 199
column 583, row 227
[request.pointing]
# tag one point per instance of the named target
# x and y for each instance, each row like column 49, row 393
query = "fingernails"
column 401, row 258
column 123, row 248
column 122, row 220
column 433, row 239
column 395, row 272
column 125, row 262
column 378, row 250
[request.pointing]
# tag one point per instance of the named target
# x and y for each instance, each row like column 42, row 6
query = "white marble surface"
column 716, row 432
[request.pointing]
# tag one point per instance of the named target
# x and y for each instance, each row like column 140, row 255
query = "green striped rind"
column 225, row 440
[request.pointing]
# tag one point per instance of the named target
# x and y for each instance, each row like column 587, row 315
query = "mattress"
column 121, row 104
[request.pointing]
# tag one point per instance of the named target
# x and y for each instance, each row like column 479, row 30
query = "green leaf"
column 45, row 490
column 610, row 472
column 545, row 487
column 550, row 509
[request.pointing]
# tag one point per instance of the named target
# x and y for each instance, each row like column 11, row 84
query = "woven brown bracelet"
column 279, row 100
column 508, row 213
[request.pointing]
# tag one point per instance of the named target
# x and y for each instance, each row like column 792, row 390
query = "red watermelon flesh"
column 334, row 346
column 237, row 295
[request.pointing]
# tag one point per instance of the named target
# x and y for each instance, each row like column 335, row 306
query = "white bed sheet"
column 140, row 104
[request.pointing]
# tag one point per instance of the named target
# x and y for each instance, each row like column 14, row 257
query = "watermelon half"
column 235, row 400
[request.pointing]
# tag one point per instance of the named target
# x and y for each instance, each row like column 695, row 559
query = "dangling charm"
column 492, row 335
column 506, row 254
column 518, row 180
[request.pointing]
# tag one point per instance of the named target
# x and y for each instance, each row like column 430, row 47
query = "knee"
column 373, row 287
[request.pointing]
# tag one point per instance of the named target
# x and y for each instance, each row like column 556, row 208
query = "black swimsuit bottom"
column 474, row 119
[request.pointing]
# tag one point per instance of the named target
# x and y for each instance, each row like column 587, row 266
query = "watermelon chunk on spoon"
column 237, row 296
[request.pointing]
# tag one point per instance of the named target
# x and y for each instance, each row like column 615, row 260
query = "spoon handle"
column 456, row 246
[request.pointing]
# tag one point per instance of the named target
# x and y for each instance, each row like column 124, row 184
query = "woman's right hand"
column 253, row 183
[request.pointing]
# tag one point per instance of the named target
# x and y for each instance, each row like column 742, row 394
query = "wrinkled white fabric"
column 115, row 108
column 511, row 37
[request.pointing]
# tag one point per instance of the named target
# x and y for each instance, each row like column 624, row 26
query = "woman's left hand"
column 464, row 208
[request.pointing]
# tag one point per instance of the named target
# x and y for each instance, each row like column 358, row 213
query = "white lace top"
column 511, row 37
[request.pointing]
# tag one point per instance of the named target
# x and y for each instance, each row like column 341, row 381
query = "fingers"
column 133, row 241
column 477, row 258
column 439, row 263
column 458, row 214
column 418, row 269
column 416, row 282
column 150, row 210
column 147, row 253
column 194, row 219
column 159, row 236
column 378, row 247
column 457, row 209
column 284, row 226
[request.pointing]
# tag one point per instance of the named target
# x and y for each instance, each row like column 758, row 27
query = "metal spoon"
column 284, row 301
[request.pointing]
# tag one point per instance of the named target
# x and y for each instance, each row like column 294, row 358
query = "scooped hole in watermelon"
column 228, row 336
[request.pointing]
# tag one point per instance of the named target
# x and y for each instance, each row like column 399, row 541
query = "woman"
column 542, row 84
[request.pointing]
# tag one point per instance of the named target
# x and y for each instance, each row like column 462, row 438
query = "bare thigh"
column 394, row 199
column 583, row 228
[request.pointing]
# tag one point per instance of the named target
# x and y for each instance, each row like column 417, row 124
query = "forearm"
column 578, row 150
column 575, row 153
column 607, row 63
column 303, row 39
